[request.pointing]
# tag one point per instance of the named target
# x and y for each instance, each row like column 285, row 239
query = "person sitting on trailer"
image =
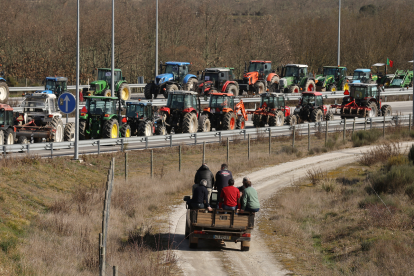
column 249, row 200
column 230, row 196
column 200, row 197
column 222, row 179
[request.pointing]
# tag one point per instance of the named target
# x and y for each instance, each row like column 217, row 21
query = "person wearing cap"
column 204, row 173
column 200, row 194
column 222, row 178
column 249, row 199
column 230, row 196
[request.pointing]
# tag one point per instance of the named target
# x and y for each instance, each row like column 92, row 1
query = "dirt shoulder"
column 215, row 259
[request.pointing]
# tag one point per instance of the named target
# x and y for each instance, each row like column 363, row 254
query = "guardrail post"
column 383, row 128
column 4, row 149
column 220, row 136
column 170, row 140
column 326, row 132
column 244, row 134
column 204, row 152
column 114, row 271
column 195, row 138
column 308, row 137
column 126, row 166
column 51, row 150
column 248, row 146
column 99, row 146
column 152, row 162
column 228, row 150
column 365, row 124
column 146, row 142
column 270, row 140
column 343, row 138
column 293, row 136
column 353, row 128
column 370, row 123
column 179, row 158
column 28, row 148
column 122, row 144
column 385, row 98
column 409, row 122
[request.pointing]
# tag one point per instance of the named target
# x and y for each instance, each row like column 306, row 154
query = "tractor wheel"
column 126, row 131
column 316, row 115
column 245, row 245
column 386, row 110
column 310, row 85
column 1, row 137
column 107, row 93
column 241, row 123
column 190, row 123
column 329, row 117
column 22, row 140
column 148, row 91
column 170, row 88
column 82, row 129
column 204, row 124
column 145, row 128
column 57, row 130
column 9, row 136
column 272, row 120
column 110, row 129
column 229, row 121
column 292, row 120
column 374, row 110
column 332, row 88
column 191, row 85
column 256, row 120
column 274, row 84
column 69, row 132
column 259, row 87
column 161, row 130
column 231, row 88
column 125, row 92
column 4, row 91
column 277, row 120
column 294, row 89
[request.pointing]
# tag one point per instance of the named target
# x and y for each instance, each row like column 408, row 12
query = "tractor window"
column 256, row 66
column 330, row 71
column 10, row 118
column 175, row 101
column 50, row 85
column 194, row 102
column 269, row 102
column 231, row 76
column 2, row 117
column 211, row 77
column 97, row 107
column 148, row 111
column 358, row 92
column 219, row 101
column 188, row 101
column 267, row 68
column 280, row 102
column 292, row 71
column 374, row 91
column 35, row 104
column 231, row 102
column 308, row 100
column 171, row 69
column 106, row 76
column 135, row 110
column 319, row 101
column 362, row 76
column 225, row 76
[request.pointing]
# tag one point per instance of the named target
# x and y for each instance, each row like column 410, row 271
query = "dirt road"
column 213, row 258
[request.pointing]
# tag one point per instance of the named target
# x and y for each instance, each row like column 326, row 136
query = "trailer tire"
column 4, row 91
column 110, row 129
column 9, row 137
column 57, row 125
column 294, row 89
column 170, row 88
column 22, row 140
column 229, row 121
column 245, row 245
column 190, row 123
column 241, row 123
column 316, row 115
column 126, row 131
column 148, row 91
column 386, row 110
column 204, row 124
column 145, row 128
column 191, row 85
column 82, row 129
column 69, row 133
column 374, row 110
column 124, row 92
column 259, row 87
column 292, row 120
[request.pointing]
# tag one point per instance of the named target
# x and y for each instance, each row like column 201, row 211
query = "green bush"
column 411, row 154
column 393, row 181
column 398, row 160
column 375, row 200
column 362, row 138
column 410, row 191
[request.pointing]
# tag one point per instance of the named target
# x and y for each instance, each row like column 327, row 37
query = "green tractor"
column 98, row 118
column 102, row 86
column 402, row 79
column 294, row 78
column 332, row 79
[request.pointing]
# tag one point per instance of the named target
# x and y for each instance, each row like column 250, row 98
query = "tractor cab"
column 262, row 67
column 138, row 110
column 106, row 75
column 220, row 79
column 272, row 100
column 102, row 85
column 296, row 71
column 311, row 99
column 99, row 106
column 220, row 101
column 362, row 76
column 336, row 72
column 174, row 71
column 363, row 92
column 56, row 85
column 182, row 100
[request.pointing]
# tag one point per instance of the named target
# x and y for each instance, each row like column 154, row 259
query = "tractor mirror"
column 346, row 92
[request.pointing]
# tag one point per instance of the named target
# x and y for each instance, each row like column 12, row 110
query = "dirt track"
column 212, row 258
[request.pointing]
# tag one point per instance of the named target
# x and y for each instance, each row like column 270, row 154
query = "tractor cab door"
column 318, row 101
column 148, row 111
column 374, row 93
column 267, row 69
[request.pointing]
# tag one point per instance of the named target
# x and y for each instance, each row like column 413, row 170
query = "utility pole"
column 339, row 34
column 76, row 157
column 113, row 50
column 156, row 39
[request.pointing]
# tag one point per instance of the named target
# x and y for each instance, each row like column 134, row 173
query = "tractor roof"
column 260, row 61
column 362, row 70
column 109, row 69
column 271, row 94
column 218, row 69
column 411, row 61
column 42, row 94
column 57, row 78
column 179, row 63
column 341, row 67
column 297, row 65
column 6, row 107
column 222, row 94
column 139, row 103
column 100, row 98
column 312, row 93
column 181, row 92
column 363, row 84
column 378, row 64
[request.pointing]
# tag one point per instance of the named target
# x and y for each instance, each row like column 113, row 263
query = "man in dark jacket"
column 222, row 179
column 199, row 199
column 204, row 173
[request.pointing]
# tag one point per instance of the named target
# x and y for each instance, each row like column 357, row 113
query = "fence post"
column 248, row 146
column 220, row 136
column 308, row 137
column 99, row 146
column 171, row 141
column 293, row 136
column 152, row 165
column 383, row 128
column 343, row 138
column 204, row 152
column 126, row 165
column 179, row 158
column 353, row 128
column 270, row 141
column 409, row 122
column 370, row 123
column 365, row 124
column 244, row 134
column 115, row 271
column 228, row 150
column 122, row 144
column 100, row 253
column 326, row 132
column 51, row 150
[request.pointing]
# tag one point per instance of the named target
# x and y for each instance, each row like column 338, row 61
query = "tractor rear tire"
column 259, row 87
column 69, row 133
column 148, row 91
column 9, row 136
column 190, row 123
column 82, row 129
column 124, row 92
column 204, row 124
column 4, row 91
column 110, row 129
column 22, row 140
column 310, row 86
column 241, row 123
column 229, row 121
column 274, row 84
column 272, row 120
column 374, row 110
column 107, row 93
column 231, row 88
column 292, row 120
column 256, row 120
column 161, row 130
column 191, row 85
column 126, row 131
column 145, row 128
column 316, row 115
column 386, row 110
column 277, row 120
column 57, row 126
column 329, row 117
column 294, row 89
column 170, row 88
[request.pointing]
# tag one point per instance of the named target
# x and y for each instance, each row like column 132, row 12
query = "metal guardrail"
column 150, row 141
column 70, row 87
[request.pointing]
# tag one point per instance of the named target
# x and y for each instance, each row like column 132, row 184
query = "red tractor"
column 363, row 101
column 7, row 131
column 272, row 110
column 181, row 113
column 310, row 108
column 259, row 77
column 219, row 79
column 222, row 113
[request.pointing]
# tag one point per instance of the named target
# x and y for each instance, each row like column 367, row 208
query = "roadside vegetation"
column 356, row 220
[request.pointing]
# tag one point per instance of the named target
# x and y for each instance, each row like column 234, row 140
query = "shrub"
column 393, row 181
column 397, row 160
column 362, row 138
column 411, row 154
column 373, row 200
column 410, row 191
column 316, row 175
column 380, row 153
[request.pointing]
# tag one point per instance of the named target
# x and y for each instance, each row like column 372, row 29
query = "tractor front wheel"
column 69, row 133
column 145, row 128
column 161, row 130
column 9, row 137
column 332, row 88
column 110, row 129
column 386, row 110
column 191, row 85
column 190, row 123
column 57, row 130
column 148, row 91
column 374, row 110
column 124, row 92
column 292, row 120
column 204, row 124
column 277, row 120
column 259, row 87
column 294, row 89
column 229, row 121
column 107, row 93
column 126, row 131
column 310, row 85
column 4, row 91
column 316, row 115
column 231, row 88
column 241, row 123
column 82, row 129
column 329, row 117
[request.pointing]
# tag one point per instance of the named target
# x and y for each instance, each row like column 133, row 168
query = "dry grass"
column 380, row 153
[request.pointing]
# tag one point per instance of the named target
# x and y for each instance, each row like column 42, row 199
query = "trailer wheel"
column 386, row 110
column 245, row 245
column 124, row 92
column 145, row 128
column 190, row 123
column 126, row 131
column 110, row 129
column 57, row 126
column 170, row 88
column 69, row 133
column 22, row 140
column 316, row 115
column 4, row 91
column 204, row 124
column 229, row 121
column 241, row 123
column 82, row 129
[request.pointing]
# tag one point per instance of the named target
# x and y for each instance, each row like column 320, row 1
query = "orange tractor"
column 259, row 77
column 222, row 113
column 272, row 110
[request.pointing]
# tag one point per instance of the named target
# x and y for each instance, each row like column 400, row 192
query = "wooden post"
column 326, row 132
column 248, row 146
column 308, row 137
column 99, row 252
column 228, row 150
column 270, row 141
column 343, row 138
column 365, row 124
column 409, row 122
column 353, row 127
column 126, row 166
column 115, row 271
column 383, row 128
column 152, row 165
column 204, row 152
column 179, row 158
column 293, row 136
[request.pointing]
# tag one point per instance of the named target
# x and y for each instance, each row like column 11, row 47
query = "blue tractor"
column 175, row 77
column 56, row 85
column 363, row 76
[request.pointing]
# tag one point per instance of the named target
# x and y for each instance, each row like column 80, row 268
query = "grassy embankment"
column 50, row 210
column 356, row 220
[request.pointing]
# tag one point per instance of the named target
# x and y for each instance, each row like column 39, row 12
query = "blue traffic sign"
column 67, row 103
